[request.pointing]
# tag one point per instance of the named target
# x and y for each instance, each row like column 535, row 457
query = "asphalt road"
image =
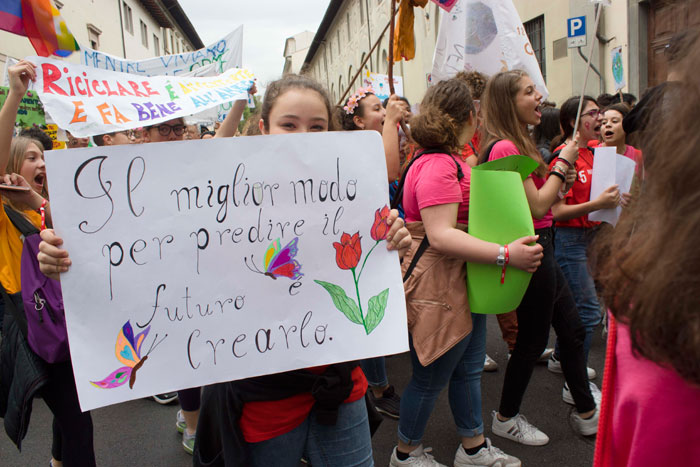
column 142, row 433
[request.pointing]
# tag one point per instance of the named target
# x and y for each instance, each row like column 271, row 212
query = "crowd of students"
column 645, row 270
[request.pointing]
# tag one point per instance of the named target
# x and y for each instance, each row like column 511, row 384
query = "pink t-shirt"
column 655, row 413
column 431, row 181
column 505, row 148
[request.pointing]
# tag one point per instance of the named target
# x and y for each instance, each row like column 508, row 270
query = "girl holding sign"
column 574, row 231
column 275, row 419
column 511, row 103
column 447, row 343
column 23, row 188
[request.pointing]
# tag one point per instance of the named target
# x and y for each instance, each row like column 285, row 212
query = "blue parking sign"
column 576, row 31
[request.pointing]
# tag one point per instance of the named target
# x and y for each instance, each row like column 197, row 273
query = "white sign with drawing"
column 205, row 261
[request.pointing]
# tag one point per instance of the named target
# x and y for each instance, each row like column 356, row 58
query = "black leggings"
column 72, row 429
column 190, row 399
column 547, row 302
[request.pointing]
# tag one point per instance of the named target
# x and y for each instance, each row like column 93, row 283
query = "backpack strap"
column 484, row 156
column 425, row 243
column 13, row 302
column 20, row 222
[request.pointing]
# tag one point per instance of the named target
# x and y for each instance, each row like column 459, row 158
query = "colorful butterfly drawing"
column 278, row 261
column 128, row 352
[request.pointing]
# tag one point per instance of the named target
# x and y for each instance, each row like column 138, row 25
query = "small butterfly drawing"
column 128, row 352
column 278, row 261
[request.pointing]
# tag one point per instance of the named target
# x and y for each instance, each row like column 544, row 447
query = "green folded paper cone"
column 499, row 213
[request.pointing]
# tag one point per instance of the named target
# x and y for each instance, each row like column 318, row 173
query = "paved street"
column 142, row 433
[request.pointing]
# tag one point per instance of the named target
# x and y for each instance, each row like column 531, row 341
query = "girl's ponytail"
column 445, row 109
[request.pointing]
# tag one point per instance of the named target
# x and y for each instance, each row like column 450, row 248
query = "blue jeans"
column 570, row 246
column 347, row 443
column 375, row 371
column 461, row 367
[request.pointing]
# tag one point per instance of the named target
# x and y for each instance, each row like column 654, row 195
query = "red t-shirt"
column 265, row 420
column 580, row 192
column 431, row 181
column 505, row 148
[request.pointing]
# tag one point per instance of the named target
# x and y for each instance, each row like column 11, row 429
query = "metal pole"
column 588, row 67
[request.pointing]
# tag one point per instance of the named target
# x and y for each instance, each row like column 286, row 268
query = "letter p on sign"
column 576, row 31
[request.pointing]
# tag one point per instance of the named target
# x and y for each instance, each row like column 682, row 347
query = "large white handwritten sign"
column 88, row 101
column 197, row 262
column 212, row 60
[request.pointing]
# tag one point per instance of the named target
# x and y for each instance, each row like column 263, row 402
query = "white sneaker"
column 490, row 364
column 554, row 365
column 587, row 426
column 595, row 392
column 518, row 429
column 544, row 357
column 419, row 457
column 490, row 456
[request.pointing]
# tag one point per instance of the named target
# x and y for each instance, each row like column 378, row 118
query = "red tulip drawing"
column 348, row 253
column 380, row 227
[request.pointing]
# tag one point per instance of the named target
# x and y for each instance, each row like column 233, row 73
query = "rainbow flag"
column 40, row 21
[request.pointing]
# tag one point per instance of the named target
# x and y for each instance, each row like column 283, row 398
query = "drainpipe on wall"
column 121, row 24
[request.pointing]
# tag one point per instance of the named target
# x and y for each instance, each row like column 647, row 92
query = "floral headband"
column 355, row 99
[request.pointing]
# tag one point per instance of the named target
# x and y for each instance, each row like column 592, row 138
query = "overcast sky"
column 266, row 25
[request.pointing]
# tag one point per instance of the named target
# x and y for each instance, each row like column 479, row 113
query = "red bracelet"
column 42, row 211
column 503, row 271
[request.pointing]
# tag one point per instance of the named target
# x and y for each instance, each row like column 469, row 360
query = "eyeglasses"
column 592, row 113
column 165, row 129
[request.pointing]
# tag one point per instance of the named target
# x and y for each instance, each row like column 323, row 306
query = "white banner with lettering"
column 212, row 60
column 88, row 101
column 196, row 262
column 486, row 36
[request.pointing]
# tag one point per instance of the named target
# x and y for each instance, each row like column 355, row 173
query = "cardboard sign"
column 196, row 262
column 498, row 212
column 380, row 84
column 30, row 111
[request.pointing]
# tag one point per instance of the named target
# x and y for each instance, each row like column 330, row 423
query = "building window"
column 144, row 33
column 362, row 12
column 128, row 19
column 347, row 20
column 338, row 39
column 94, row 36
column 156, row 45
column 535, row 32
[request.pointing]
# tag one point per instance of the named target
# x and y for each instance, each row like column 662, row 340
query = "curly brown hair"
column 445, row 108
column 650, row 264
column 476, row 82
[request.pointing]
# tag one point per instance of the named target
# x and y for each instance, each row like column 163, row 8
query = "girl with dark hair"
column 546, row 131
column 574, row 231
column 447, row 343
column 650, row 265
column 364, row 111
column 614, row 135
column 511, row 103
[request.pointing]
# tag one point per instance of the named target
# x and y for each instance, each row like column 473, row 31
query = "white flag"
column 486, row 36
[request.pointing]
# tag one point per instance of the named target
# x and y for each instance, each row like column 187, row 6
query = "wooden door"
column 666, row 18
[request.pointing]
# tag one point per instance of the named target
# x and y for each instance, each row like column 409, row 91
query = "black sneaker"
column 388, row 404
column 166, row 398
